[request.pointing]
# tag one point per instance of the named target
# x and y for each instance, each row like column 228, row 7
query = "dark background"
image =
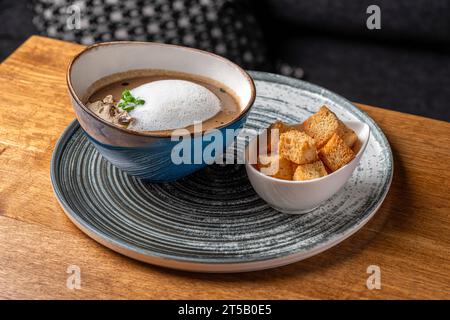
column 404, row 66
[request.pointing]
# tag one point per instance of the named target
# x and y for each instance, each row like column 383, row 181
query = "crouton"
column 348, row 135
column 276, row 166
column 310, row 171
column 297, row 147
column 321, row 126
column 336, row 153
column 282, row 128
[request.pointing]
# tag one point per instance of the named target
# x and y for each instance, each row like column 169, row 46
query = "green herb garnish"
column 128, row 102
column 222, row 90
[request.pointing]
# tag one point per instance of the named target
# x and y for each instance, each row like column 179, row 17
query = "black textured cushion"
column 224, row 27
column 423, row 20
column 404, row 78
column 15, row 17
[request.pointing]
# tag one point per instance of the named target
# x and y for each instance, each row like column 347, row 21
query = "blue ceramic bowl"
column 147, row 155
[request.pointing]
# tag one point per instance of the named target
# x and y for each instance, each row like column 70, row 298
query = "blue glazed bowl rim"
column 89, row 112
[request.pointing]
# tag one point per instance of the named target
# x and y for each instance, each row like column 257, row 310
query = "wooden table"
column 409, row 237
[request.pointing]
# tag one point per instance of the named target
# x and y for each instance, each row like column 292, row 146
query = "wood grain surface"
column 409, row 237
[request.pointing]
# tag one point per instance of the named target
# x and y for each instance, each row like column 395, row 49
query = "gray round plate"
column 212, row 220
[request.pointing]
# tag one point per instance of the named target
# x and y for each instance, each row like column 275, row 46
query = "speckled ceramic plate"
column 213, row 221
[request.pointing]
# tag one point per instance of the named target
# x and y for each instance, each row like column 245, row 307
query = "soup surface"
column 115, row 84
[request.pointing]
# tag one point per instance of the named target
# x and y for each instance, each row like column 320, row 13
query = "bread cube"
column 348, row 135
column 310, row 171
column 297, row 147
column 336, row 153
column 282, row 128
column 276, row 166
column 321, row 126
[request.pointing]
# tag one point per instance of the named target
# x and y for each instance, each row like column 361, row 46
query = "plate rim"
column 215, row 265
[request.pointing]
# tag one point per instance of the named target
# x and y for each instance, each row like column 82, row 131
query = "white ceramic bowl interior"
column 303, row 196
column 104, row 59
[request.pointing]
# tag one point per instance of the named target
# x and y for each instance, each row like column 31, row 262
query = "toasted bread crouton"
column 348, row 135
column 297, row 147
column 281, row 126
column 276, row 166
column 310, row 171
column 336, row 153
column 274, row 137
column 267, row 162
column 329, row 171
column 321, row 126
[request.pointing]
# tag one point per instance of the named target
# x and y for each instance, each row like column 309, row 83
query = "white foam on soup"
column 172, row 104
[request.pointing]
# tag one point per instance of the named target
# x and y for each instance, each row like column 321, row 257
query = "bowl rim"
column 361, row 150
column 165, row 133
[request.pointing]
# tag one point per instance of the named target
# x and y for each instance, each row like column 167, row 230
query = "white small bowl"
column 299, row 197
